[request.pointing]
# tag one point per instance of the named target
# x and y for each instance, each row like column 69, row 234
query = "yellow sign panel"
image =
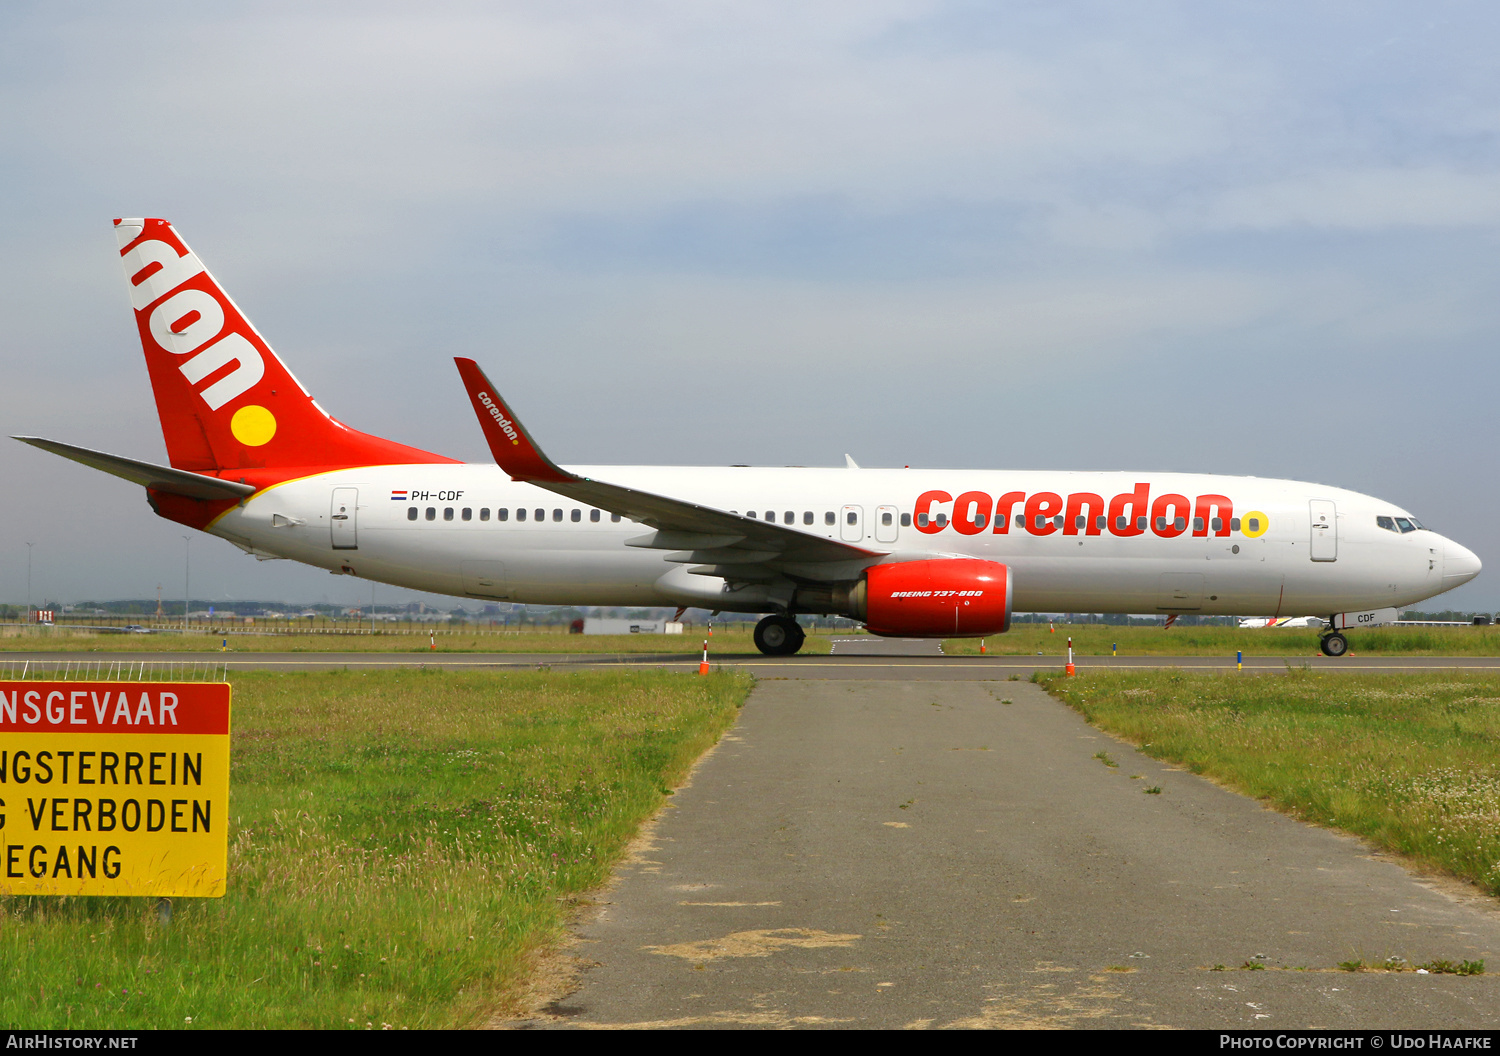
column 114, row 788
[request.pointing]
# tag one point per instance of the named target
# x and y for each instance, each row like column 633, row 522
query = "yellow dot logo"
column 253, row 425
column 1254, row 524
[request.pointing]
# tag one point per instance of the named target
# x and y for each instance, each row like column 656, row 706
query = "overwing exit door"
column 343, row 516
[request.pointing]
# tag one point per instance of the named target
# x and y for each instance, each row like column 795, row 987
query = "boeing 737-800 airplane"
column 915, row 553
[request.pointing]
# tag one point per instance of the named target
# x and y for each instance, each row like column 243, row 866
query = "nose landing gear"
column 778, row 636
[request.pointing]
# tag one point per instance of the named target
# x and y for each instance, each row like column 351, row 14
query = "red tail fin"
column 226, row 401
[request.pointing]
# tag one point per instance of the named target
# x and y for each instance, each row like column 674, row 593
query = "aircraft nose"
column 1459, row 564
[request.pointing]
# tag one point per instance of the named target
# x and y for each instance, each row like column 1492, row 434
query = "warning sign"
column 114, row 788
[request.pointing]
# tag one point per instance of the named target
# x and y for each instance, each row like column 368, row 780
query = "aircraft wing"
column 712, row 537
column 159, row 478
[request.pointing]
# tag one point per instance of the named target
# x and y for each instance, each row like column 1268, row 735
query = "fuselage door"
column 852, row 524
column 343, row 516
column 1325, row 530
column 887, row 523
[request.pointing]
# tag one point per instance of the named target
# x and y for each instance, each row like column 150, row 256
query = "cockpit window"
column 1405, row 525
column 1388, row 523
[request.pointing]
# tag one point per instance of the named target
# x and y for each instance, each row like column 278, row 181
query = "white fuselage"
column 1283, row 564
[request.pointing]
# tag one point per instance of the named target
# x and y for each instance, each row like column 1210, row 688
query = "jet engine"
column 939, row 598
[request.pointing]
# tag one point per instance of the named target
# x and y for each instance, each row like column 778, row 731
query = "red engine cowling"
column 941, row 598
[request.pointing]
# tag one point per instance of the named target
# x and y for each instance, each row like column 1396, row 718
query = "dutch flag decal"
column 398, row 496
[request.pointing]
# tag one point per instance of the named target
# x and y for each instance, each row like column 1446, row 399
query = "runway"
column 864, row 659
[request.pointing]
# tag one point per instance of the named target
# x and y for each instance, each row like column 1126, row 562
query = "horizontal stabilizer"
column 159, row 478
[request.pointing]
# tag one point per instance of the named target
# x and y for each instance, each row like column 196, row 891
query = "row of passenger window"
column 790, row 517
column 467, row 514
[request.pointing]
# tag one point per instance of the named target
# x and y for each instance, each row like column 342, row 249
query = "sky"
column 1247, row 238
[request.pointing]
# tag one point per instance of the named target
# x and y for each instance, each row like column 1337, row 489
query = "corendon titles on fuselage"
column 1128, row 514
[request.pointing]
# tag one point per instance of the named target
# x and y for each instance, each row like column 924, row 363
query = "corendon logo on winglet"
column 503, row 422
column 1130, row 513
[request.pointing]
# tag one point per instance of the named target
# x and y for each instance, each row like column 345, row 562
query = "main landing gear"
column 778, row 636
column 1334, row 644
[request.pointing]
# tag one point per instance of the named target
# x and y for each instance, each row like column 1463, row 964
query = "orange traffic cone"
column 703, row 665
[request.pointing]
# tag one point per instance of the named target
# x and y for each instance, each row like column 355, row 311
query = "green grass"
column 1407, row 761
column 1025, row 639
column 402, row 844
column 74, row 641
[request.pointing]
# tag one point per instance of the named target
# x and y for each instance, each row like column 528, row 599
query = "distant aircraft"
column 1285, row 622
column 911, row 553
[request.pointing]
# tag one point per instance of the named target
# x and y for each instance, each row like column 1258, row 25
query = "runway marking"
column 754, row 944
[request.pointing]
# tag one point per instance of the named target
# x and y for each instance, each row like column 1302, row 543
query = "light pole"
column 28, row 583
column 187, row 592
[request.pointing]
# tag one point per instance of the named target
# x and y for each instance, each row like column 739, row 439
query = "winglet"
column 510, row 443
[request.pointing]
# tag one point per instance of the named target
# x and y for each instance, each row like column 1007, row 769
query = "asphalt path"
column 919, row 854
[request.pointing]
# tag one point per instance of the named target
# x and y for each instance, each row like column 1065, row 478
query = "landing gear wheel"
column 778, row 636
column 1334, row 645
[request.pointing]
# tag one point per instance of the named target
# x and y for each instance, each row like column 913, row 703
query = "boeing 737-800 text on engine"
column 918, row 553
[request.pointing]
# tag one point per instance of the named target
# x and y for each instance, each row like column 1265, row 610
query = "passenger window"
column 1140, row 522
column 1080, row 522
column 906, row 520
column 411, row 513
column 1197, row 524
column 807, row 517
column 1253, row 523
column 539, row 515
column 557, row 515
column 885, row 519
column 921, row 520
column 1161, row 522
column 851, row 518
column 1217, row 524
column 447, row 513
column 829, row 518
column 594, row 516
column 576, row 516
column 1180, row 523
column 1101, row 522
column 788, row 517
column 942, row 520
column 520, row 514
column 1120, row 524
column 750, row 514
column 484, row 513
column 771, row 516
column 502, row 515
column 468, row 514
column 431, row 513
column 615, row 517
column 1234, row 524
column 1040, row 521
